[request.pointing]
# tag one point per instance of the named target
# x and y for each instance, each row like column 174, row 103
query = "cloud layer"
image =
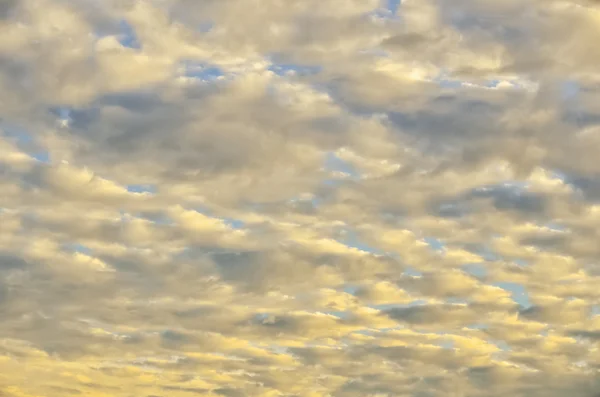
column 299, row 198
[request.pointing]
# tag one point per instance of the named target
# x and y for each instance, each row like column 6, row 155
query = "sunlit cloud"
column 299, row 198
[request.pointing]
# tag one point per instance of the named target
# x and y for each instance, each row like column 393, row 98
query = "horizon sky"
column 299, row 198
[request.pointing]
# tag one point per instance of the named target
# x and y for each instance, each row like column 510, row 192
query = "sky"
column 299, row 198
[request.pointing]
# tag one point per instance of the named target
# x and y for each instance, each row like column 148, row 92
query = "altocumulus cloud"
column 299, row 198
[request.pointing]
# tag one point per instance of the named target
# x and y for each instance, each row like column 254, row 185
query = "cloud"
column 353, row 198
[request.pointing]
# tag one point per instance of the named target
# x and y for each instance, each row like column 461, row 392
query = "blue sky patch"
column 389, row 306
column 387, row 9
column 61, row 112
column 393, row 6
column 20, row 135
column 487, row 253
column 435, row 244
column 350, row 289
column 518, row 292
column 555, row 226
column 127, row 37
column 475, row 269
column 409, row 271
column 456, row 301
column 283, row 69
column 202, row 71
column 158, row 218
column 339, row 314
column 508, row 187
column 234, row 223
column 336, row 164
column 502, row 345
column 77, row 247
column 141, row 188
column 43, row 157
column 351, row 239
column 570, row 89
column 446, row 344
column 25, row 141
column 449, row 83
column 231, row 222
column 206, row 26
column 492, row 83
column 520, row 262
column 478, row 326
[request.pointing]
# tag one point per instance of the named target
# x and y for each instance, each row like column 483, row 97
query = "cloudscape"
column 299, row 198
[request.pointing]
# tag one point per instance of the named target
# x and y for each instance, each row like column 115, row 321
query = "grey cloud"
column 434, row 314
column 593, row 335
column 10, row 262
column 560, row 313
column 7, row 7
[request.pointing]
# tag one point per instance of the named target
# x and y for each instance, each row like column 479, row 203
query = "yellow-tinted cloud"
column 299, row 198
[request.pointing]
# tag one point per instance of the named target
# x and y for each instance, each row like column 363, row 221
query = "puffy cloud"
column 299, row 198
